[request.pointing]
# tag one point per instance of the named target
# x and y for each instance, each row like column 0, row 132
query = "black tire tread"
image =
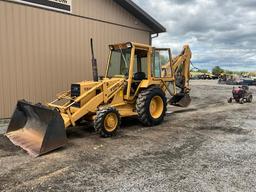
column 99, row 122
column 142, row 108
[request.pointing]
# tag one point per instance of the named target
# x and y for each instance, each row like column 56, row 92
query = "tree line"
column 217, row 70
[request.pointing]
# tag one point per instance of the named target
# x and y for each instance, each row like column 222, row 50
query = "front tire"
column 151, row 106
column 107, row 122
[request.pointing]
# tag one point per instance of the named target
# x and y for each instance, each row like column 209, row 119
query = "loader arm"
column 70, row 115
column 39, row 129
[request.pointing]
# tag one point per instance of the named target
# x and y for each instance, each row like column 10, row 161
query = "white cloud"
column 219, row 32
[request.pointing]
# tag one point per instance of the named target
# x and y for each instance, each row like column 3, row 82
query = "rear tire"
column 151, row 106
column 107, row 122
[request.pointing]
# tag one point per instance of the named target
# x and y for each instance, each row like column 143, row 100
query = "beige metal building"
column 44, row 44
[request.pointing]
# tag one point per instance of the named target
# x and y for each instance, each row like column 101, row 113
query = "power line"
column 194, row 66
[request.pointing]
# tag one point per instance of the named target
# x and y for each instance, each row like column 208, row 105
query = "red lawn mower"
column 241, row 95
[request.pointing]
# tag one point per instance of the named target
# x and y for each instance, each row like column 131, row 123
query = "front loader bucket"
column 36, row 128
column 181, row 100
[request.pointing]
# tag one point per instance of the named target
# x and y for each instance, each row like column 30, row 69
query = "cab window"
column 161, row 65
column 140, row 70
column 119, row 62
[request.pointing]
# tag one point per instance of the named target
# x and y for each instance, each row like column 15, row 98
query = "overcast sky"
column 220, row 32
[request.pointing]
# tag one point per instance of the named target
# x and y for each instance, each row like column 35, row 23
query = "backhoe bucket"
column 36, row 128
column 180, row 100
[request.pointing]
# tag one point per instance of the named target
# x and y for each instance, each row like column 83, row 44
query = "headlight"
column 129, row 45
column 111, row 47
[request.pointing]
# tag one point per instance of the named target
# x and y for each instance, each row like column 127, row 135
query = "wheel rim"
column 110, row 122
column 156, row 107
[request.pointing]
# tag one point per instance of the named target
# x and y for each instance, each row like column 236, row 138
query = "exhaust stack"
column 94, row 64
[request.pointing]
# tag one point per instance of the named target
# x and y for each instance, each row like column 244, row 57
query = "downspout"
column 152, row 36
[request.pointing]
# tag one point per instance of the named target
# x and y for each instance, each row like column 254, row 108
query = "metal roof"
column 139, row 13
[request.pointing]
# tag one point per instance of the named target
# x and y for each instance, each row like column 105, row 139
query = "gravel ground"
column 210, row 146
column 3, row 125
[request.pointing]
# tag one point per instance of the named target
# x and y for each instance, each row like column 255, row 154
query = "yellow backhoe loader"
column 135, row 83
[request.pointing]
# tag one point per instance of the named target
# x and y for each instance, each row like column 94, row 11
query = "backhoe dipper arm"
column 181, row 69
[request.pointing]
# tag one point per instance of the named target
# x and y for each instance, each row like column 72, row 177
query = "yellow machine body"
column 134, row 71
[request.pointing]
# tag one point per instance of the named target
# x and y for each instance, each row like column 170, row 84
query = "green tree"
column 203, row 70
column 164, row 59
column 217, row 70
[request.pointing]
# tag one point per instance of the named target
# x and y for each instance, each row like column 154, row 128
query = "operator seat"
column 138, row 77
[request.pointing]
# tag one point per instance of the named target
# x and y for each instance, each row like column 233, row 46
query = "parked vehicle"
column 241, row 95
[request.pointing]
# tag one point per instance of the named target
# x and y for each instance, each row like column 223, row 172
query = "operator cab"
column 120, row 62
column 137, row 62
